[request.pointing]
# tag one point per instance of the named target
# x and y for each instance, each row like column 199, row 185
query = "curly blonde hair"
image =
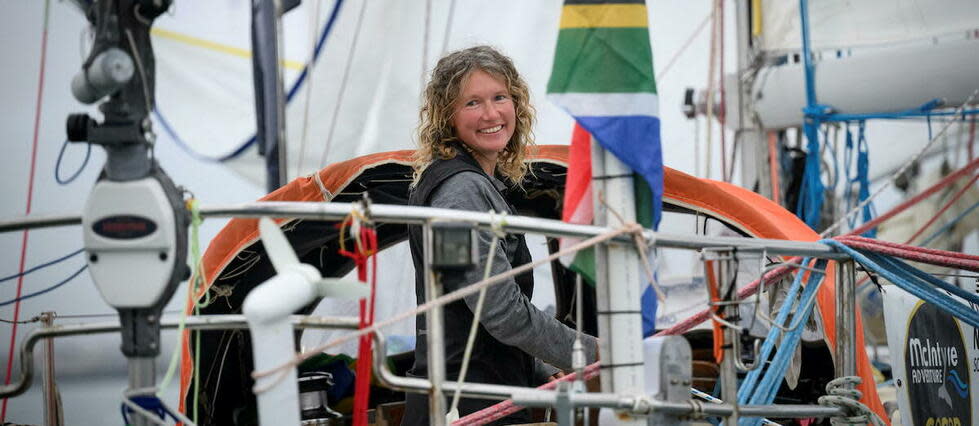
column 435, row 131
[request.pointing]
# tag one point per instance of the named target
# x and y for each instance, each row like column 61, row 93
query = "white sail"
column 840, row 24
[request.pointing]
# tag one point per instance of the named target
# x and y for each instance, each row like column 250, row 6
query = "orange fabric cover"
column 754, row 214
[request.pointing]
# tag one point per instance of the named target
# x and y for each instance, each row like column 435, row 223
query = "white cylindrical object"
column 267, row 309
column 893, row 80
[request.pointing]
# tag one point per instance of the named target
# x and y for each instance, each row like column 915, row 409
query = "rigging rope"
column 764, row 392
column 951, row 202
column 900, row 172
column 748, row 385
column 861, row 179
column 947, row 180
column 948, row 226
column 363, row 251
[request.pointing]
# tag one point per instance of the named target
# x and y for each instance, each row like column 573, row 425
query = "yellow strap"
column 217, row 47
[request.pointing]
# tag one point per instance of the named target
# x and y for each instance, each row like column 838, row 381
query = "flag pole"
column 618, row 281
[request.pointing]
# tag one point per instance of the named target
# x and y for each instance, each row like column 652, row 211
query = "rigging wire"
column 343, row 85
column 948, row 226
column 710, row 88
column 42, row 266
column 30, row 197
column 327, row 29
column 428, row 18
column 721, row 113
column 683, row 48
column 46, row 290
column 314, row 23
column 448, row 32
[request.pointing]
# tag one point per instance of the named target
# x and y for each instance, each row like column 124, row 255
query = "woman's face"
column 484, row 115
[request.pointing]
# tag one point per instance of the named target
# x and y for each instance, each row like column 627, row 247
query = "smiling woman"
column 475, row 127
column 483, row 118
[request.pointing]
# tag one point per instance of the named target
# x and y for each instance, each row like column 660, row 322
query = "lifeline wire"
column 442, row 300
column 30, row 196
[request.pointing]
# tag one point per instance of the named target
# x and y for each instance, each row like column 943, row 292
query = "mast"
column 618, row 282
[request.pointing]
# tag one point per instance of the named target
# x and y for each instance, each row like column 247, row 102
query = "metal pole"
column 528, row 397
column 209, row 322
column 433, row 325
column 412, row 215
column 619, row 285
column 52, row 400
column 846, row 329
column 142, row 375
column 729, row 373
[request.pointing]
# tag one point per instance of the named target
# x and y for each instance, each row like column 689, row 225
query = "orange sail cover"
column 750, row 212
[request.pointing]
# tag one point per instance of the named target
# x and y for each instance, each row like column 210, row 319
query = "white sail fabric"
column 204, row 68
column 836, row 24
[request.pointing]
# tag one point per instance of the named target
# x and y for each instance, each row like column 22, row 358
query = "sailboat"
column 184, row 61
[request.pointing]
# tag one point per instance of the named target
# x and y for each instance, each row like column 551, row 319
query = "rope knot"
column 842, row 393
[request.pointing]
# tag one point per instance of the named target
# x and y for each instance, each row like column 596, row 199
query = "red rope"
column 364, row 251
column 30, row 197
column 950, row 203
column 947, row 180
column 917, row 254
column 773, row 167
column 507, row 407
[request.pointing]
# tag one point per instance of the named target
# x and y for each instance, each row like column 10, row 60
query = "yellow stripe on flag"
column 604, row 16
column 217, row 47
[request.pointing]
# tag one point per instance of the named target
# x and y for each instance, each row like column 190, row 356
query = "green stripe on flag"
column 602, row 60
column 584, row 265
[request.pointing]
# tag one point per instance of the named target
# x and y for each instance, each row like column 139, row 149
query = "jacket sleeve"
column 507, row 314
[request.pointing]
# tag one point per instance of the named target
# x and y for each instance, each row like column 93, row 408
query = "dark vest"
column 491, row 361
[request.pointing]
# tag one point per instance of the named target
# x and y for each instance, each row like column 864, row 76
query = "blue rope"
column 748, row 385
column 862, row 178
column 49, row 289
column 810, row 202
column 42, row 266
column 914, row 282
column 327, row 28
column 57, row 164
column 949, row 225
column 149, row 403
column 768, row 387
column 895, row 115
